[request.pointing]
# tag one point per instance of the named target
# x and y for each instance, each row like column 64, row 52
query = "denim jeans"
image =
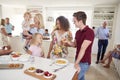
column 84, row 67
column 102, row 45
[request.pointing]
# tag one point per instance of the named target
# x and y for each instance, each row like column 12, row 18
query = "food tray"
column 11, row 66
column 41, row 77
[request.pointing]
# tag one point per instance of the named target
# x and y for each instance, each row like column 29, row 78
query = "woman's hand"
column 48, row 56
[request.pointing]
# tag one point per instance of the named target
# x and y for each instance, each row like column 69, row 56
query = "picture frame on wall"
column 50, row 19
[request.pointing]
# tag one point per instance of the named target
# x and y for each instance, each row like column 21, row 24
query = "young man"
column 83, row 42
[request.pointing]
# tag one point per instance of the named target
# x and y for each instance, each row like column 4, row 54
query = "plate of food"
column 15, row 56
column 61, row 61
column 39, row 72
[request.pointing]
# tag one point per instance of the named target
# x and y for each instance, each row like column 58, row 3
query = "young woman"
column 37, row 27
column 35, row 48
column 62, row 32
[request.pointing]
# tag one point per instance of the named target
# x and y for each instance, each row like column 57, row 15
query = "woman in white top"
column 57, row 47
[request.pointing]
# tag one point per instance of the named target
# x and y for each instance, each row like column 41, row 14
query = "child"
column 26, row 22
column 26, row 27
column 35, row 48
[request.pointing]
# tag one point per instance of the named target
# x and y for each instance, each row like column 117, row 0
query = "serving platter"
column 11, row 66
column 41, row 77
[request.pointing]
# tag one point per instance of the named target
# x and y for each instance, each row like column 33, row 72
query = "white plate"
column 61, row 61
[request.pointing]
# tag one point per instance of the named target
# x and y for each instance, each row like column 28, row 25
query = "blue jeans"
column 84, row 67
column 102, row 45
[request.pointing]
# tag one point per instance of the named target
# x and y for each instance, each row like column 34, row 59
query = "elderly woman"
column 115, row 53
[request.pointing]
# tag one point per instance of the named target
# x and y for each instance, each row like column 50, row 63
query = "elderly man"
column 103, row 35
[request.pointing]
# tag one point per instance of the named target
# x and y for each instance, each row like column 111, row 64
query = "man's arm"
column 69, row 43
column 84, row 46
column 13, row 27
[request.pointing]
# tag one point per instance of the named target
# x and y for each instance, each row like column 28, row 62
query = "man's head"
column 104, row 24
column 79, row 18
column 46, row 30
column 7, row 20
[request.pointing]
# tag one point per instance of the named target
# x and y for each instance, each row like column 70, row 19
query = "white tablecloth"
column 42, row 63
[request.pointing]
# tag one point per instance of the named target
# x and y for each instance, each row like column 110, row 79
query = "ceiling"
column 58, row 2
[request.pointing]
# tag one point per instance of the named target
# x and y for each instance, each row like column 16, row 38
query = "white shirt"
column 102, row 33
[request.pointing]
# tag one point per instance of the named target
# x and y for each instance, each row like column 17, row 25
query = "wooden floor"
column 98, row 72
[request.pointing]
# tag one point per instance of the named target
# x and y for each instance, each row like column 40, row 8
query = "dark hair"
column 3, row 22
column 46, row 29
column 7, row 18
column 64, row 23
column 80, row 16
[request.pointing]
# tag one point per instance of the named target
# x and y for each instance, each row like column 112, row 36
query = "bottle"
column 32, row 59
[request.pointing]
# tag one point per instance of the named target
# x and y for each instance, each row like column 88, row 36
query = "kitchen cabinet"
column 101, row 14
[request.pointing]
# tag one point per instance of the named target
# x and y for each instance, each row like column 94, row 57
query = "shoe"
column 97, row 62
column 106, row 66
column 101, row 61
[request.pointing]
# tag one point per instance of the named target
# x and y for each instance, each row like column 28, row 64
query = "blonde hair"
column 27, row 13
column 39, row 17
column 33, row 40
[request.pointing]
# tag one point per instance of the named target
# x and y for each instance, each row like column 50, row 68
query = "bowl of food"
column 39, row 72
column 61, row 62
column 48, row 74
column 15, row 56
column 31, row 69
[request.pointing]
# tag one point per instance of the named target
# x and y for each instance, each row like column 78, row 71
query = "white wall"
column 0, row 11
column 117, row 29
column 68, row 13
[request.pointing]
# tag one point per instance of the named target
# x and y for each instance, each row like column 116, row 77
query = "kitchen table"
column 66, row 73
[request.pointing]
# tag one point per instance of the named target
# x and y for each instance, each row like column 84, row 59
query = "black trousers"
column 102, row 45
